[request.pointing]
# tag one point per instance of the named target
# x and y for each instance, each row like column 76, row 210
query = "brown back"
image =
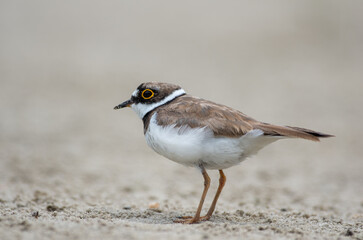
column 222, row 120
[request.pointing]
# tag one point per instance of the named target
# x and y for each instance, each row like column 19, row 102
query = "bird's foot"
column 190, row 219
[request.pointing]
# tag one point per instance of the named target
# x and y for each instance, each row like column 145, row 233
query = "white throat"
column 142, row 109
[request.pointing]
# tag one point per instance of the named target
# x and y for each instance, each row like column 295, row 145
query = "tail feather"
column 312, row 132
column 293, row 132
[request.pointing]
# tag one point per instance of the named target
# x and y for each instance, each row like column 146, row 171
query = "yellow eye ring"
column 147, row 91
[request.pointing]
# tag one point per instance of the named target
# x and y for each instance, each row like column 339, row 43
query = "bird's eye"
column 147, row 94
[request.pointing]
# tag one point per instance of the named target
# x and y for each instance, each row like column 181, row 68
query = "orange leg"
column 196, row 218
column 222, row 181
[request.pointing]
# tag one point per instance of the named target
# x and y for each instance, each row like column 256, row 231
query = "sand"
column 73, row 168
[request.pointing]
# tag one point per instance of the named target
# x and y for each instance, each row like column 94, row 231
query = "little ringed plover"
column 203, row 134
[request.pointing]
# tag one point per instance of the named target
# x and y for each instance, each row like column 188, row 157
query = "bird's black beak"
column 124, row 104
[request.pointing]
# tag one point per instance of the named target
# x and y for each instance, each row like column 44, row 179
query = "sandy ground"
column 73, row 168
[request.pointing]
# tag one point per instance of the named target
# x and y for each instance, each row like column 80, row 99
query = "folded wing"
column 223, row 121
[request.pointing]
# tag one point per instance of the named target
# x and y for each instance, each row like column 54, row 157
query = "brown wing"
column 196, row 112
column 223, row 120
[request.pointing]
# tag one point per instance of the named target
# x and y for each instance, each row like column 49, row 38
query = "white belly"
column 198, row 146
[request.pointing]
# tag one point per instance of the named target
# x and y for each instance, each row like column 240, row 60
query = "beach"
column 71, row 167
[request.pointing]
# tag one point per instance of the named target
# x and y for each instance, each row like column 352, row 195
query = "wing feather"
column 197, row 112
column 222, row 120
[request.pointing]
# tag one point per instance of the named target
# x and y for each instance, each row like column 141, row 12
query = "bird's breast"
column 180, row 144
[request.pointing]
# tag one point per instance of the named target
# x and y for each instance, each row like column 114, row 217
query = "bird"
column 200, row 133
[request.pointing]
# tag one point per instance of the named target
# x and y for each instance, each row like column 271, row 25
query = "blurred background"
column 64, row 65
